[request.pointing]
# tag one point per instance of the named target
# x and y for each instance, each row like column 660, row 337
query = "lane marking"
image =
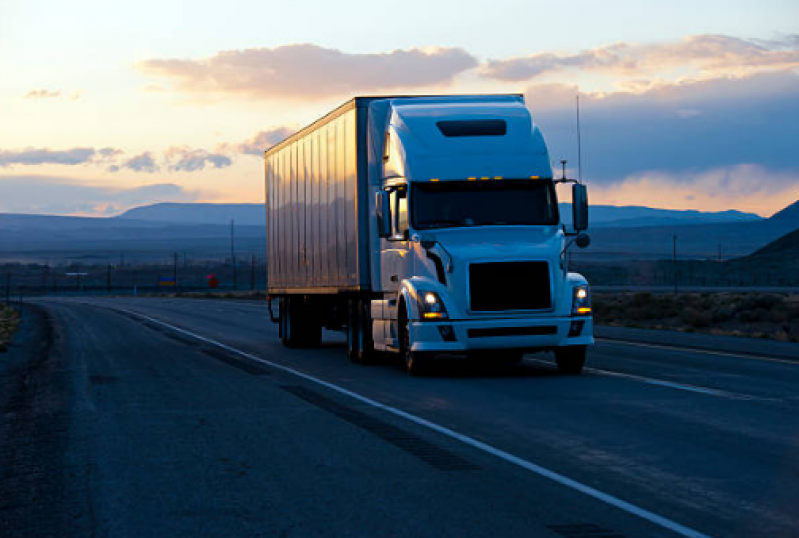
column 606, row 498
column 663, row 383
column 613, row 341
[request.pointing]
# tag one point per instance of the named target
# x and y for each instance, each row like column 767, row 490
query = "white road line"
column 630, row 508
column 664, row 383
column 697, row 350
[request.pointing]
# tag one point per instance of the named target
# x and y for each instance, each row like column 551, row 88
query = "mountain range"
column 155, row 232
column 601, row 215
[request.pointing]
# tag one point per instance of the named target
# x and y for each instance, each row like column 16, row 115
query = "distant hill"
column 37, row 238
column 789, row 214
column 601, row 215
column 245, row 214
column 786, row 246
column 637, row 216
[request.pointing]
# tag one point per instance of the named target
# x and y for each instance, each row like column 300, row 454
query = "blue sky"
column 685, row 104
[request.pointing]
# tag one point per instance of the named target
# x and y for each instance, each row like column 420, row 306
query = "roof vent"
column 453, row 128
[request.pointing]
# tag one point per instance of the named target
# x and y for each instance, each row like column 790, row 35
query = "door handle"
column 393, row 278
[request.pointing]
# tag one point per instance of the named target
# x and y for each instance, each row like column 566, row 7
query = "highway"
column 186, row 417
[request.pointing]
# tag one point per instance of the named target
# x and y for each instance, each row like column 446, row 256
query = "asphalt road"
column 169, row 417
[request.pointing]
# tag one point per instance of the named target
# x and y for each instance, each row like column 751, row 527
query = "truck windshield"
column 483, row 203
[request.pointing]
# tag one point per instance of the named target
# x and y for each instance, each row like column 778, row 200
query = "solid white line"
column 659, row 520
column 663, row 383
column 697, row 350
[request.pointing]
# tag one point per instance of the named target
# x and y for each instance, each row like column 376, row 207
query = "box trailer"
column 425, row 226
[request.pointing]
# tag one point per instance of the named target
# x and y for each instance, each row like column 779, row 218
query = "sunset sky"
column 106, row 105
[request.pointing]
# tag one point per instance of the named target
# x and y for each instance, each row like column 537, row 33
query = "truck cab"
column 472, row 250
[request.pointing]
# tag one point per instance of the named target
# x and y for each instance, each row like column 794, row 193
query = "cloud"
column 61, row 196
column 141, row 163
column 751, row 188
column 309, row 71
column 69, row 157
column 259, row 143
column 674, row 127
column 190, row 160
column 42, row 94
column 712, row 54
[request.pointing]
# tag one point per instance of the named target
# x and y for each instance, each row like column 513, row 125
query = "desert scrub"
column 758, row 315
column 9, row 323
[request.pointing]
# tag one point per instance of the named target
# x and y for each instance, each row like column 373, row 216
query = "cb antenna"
column 579, row 145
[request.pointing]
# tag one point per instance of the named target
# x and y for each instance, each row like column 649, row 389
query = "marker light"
column 581, row 301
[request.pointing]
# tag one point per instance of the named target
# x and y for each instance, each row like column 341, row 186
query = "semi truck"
column 425, row 226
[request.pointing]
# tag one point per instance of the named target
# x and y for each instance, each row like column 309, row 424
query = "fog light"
column 447, row 333
column 576, row 328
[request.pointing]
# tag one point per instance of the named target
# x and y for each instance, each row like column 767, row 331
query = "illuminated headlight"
column 431, row 306
column 581, row 301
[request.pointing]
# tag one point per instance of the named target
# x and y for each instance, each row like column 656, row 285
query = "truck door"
column 395, row 258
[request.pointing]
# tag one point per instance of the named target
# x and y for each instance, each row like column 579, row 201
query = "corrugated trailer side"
column 316, row 188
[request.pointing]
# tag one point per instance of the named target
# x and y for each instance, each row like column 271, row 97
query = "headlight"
column 431, row 307
column 581, row 301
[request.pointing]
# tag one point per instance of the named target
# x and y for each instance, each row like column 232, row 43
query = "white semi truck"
column 425, row 226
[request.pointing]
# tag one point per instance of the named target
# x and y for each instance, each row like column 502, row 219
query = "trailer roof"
column 363, row 101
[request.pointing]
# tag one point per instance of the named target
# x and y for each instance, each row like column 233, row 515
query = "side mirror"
column 580, row 207
column 582, row 240
column 383, row 214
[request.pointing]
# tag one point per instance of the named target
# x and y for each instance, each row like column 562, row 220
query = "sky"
column 105, row 105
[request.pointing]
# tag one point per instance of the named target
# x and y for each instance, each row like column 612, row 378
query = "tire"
column 414, row 362
column 299, row 326
column 570, row 359
column 360, row 345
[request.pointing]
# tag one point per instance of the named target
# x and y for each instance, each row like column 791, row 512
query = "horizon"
column 682, row 107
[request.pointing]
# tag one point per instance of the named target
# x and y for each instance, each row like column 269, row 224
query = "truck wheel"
column 360, row 345
column 570, row 359
column 413, row 361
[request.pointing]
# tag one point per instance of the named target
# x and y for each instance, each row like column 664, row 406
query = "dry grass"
column 9, row 323
column 758, row 315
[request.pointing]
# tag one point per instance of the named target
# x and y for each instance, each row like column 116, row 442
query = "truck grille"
column 501, row 286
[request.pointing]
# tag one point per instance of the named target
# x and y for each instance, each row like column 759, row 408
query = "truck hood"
column 500, row 243
column 481, row 244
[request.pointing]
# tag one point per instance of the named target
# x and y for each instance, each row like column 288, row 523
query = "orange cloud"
column 706, row 54
column 309, row 71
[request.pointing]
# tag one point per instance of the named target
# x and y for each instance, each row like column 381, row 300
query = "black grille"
column 509, row 286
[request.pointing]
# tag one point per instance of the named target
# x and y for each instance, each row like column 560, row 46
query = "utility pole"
column 674, row 260
column 233, row 251
column 46, row 276
column 252, row 272
column 175, row 271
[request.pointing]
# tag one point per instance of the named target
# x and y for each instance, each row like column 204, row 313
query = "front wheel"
column 413, row 361
column 570, row 359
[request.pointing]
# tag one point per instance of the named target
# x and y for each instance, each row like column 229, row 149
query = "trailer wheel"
column 570, row 359
column 360, row 346
column 300, row 327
